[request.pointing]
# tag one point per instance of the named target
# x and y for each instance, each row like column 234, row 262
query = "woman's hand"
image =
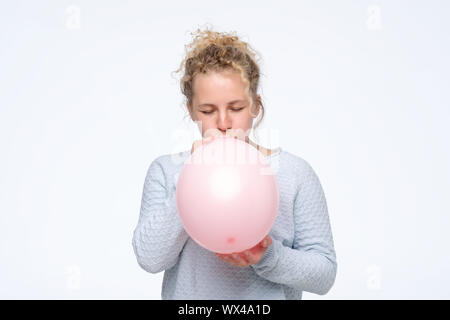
column 247, row 257
column 211, row 134
column 198, row 143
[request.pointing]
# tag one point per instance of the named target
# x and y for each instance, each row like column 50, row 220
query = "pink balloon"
column 227, row 196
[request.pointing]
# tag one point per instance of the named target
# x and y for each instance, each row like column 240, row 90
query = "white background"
column 359, row 89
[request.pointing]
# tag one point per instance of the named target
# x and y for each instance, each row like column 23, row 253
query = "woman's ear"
column 191, row 112
column 256, row 107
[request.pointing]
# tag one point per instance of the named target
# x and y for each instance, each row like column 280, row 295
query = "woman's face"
column 220, row 104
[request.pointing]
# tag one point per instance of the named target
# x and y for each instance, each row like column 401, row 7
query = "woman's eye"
column 208, row 112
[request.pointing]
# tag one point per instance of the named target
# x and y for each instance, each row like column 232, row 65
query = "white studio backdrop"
column 359, row 89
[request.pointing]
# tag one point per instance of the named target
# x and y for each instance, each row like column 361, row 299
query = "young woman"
column 220, row 83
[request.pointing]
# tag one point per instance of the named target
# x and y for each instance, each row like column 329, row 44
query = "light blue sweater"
column 301, row 257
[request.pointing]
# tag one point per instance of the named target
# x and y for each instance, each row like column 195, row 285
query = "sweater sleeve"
column 159, row 236
column 310, row 265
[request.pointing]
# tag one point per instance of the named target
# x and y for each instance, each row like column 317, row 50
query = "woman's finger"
column 266, row 242
column 208, row 139
column 244, row 257
column 239, row 260
column 249, row 257
column 227, row 258
column 236, row 258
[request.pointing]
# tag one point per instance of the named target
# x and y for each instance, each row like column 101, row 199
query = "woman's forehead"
column 218, row 87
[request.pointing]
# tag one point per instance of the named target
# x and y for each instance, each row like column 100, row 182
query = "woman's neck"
column 264, row 151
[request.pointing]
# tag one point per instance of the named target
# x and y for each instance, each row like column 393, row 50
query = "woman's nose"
column 224, row 123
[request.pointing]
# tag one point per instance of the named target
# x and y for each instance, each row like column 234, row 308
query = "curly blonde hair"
column 221, row 51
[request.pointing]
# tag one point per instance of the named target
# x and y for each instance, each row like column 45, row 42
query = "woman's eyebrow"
column 213, row 105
